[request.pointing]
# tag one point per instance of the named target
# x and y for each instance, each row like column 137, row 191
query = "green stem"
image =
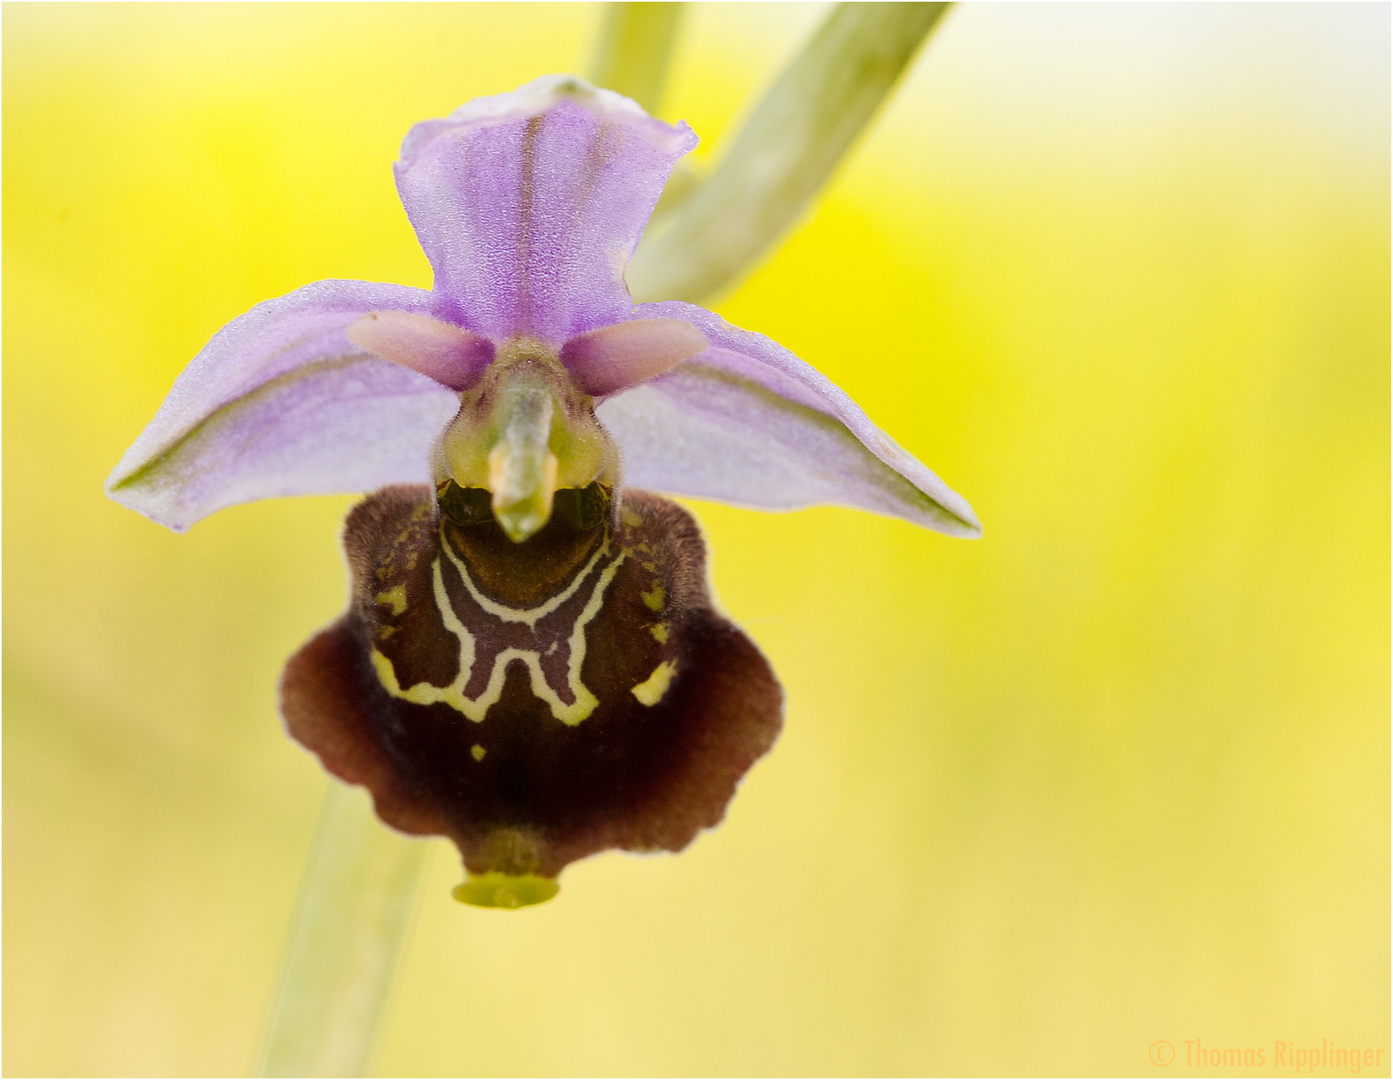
column 786, row 151
column 354, row 908
column 635, row 50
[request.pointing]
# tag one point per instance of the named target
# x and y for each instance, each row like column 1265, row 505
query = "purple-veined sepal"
column 282, row 402
column 530, row 204
column 747, row 422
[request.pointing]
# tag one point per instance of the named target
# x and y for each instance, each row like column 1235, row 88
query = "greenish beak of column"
column 525, row 431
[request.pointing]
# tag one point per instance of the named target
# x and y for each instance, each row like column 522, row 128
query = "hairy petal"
column 609, row 359
column 280, row 402
column 530, row 204
column 747, row 422
column 445, row 352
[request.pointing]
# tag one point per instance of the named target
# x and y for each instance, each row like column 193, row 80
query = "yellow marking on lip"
column 631, row 519
column 659, row 631
column 523, row 615
column 477, row 752
column 651, row 690
column 475, row 709
column 395, row 598
column 384, row 632
column 654, row 597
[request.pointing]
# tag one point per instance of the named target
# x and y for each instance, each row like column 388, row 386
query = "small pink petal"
column 614, row 357
column 439, row 350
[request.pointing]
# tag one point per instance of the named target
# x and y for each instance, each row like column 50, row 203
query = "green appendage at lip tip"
column 499, row 890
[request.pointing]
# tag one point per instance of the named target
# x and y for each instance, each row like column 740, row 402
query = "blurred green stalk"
column 635, row 50
column 353, row 912
column 361, row 879
column 787, row 150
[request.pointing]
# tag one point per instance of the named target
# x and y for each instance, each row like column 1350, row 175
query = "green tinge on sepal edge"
column 158, row 487
column 499, row 890
column 913, row 504
column 785, row 152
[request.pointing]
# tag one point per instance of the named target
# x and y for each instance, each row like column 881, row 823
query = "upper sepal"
column 529, row 204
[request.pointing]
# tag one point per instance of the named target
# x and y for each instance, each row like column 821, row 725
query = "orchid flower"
column 531, row 663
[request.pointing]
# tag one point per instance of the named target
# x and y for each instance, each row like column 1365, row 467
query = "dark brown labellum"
column 535, row 702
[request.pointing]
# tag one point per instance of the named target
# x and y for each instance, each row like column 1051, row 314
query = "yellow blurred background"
column 1116, row 773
